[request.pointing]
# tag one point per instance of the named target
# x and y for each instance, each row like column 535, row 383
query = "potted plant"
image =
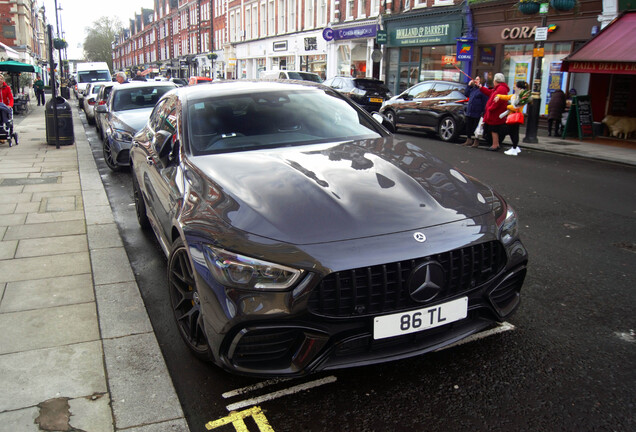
column 59, row 43
column 563, row 5
column 528, row 7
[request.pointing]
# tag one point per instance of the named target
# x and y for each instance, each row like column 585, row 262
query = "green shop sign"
column 426, row 33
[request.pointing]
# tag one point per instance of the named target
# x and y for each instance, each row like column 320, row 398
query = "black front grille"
column 383, row 288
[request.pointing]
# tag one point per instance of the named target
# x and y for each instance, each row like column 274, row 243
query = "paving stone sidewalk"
column 77, row 351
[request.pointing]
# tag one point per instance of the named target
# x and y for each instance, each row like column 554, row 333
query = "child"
column 518, row 100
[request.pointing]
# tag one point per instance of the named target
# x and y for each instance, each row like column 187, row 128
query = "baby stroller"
column 6, row 125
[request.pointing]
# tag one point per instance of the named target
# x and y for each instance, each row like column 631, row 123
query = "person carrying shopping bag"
column 474, row 110
column 494, row 125
column 514, row 114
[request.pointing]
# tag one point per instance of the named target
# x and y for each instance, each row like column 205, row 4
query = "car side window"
column 337, row 83
column 420, row 91
column 441, row 90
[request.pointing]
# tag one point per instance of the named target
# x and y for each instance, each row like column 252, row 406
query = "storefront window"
column 434, row 66
column 344, row 60
column 352, row 59
column 517, row 63
column 553, row 78
column 314, row 63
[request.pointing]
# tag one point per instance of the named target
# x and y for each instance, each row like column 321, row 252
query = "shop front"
column 303, row 51
column 507, row 45
column 422, row 46
column 351, row 47
column 610, row 61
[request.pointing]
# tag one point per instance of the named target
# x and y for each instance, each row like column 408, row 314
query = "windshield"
column 140, row 97
column 305, row 76
column 274, row 119
column 93, row 76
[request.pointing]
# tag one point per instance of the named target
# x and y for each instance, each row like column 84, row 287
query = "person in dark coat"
column 494, row 124
column 556, row 106
column 474, row 110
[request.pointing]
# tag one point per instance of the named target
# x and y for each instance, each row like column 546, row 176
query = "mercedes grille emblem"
column 426, row 281
column 419, row 237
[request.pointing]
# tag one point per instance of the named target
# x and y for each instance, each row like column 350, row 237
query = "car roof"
column 225, row 88
column 141, row 84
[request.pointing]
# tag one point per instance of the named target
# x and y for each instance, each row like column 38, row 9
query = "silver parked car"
column 127, row 111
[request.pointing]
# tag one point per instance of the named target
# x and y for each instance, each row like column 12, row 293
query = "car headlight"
column 122, row 135
column 509, row 228
column 240, row 271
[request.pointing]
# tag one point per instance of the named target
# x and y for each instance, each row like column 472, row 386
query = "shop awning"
column 611, row 51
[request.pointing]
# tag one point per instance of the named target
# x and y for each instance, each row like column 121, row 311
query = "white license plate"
column 421, row 319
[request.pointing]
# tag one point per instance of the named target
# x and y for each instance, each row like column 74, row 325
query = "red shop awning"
column 611, row 51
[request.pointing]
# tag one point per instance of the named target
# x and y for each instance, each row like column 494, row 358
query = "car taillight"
column 102, row 102
column 91, row 102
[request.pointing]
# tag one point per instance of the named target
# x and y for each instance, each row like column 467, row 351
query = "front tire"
column 447, row 129
column 184, row 299
column 108, row 156
column 390, row 115
column 140, row 205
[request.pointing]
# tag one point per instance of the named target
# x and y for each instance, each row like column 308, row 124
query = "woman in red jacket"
column 493, row 124
column 6, row 95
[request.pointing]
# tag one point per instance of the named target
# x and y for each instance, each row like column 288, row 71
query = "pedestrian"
column 120, row 77
column 514, row 114
column 474, row 110
column 139, row 77
column 6, row 95
column 556, row 106
column 493, row 123
column 38, row 86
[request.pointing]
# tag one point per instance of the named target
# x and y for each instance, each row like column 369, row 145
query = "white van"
column 90, row 73
column 293, row 75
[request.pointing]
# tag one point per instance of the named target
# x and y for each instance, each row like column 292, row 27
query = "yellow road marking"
column 236, row 419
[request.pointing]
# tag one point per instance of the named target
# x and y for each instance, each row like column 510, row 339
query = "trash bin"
column 64, row 122
column 65, row 92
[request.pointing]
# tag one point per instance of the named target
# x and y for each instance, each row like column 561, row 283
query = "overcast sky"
column 77, row 15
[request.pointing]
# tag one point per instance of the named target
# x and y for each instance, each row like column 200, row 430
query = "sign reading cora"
column 518, row 32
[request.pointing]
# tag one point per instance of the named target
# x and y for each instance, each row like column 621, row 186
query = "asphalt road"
column 567, row 362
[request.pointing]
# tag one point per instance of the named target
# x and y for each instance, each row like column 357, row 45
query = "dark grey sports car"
column 301, row 235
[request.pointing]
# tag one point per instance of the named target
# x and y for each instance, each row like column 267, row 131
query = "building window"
column 322, row 13
column 255, row 21
column 263, row 19
column 271, row 18
column 281, row 16
column 362, row 5
column 248, row 23
column 350, row 5
column 310, row 6
column 443, row 2
column 292, row 15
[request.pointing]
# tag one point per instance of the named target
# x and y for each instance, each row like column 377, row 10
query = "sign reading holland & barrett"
column 424, row 34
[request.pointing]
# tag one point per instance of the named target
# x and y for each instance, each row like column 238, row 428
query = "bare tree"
column 99, row 39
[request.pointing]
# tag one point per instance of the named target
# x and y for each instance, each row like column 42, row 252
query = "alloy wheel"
column 108, row 156
column 185, row 301
column 447, row 129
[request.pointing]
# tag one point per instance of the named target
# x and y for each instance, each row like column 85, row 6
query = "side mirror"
column 163, row 144
column 384, row 121
column 406, row 96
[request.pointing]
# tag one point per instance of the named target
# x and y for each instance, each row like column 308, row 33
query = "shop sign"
column 311, row 44
column 431, row 34
column 487, row 54
column 327, row 34
column 280, row 46
column 359, row 32
column 8, row 32
column 381, row 37
column 231, row 62
column 518, row 32
column 449, row 60
column 465, row 50
column 604, row 67
column 538, row 52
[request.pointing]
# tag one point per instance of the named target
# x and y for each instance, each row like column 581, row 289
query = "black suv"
column 436, row 106
column 369, row 93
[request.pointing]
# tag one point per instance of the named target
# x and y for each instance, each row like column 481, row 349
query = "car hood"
column 325, row 193
column 131, row 120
